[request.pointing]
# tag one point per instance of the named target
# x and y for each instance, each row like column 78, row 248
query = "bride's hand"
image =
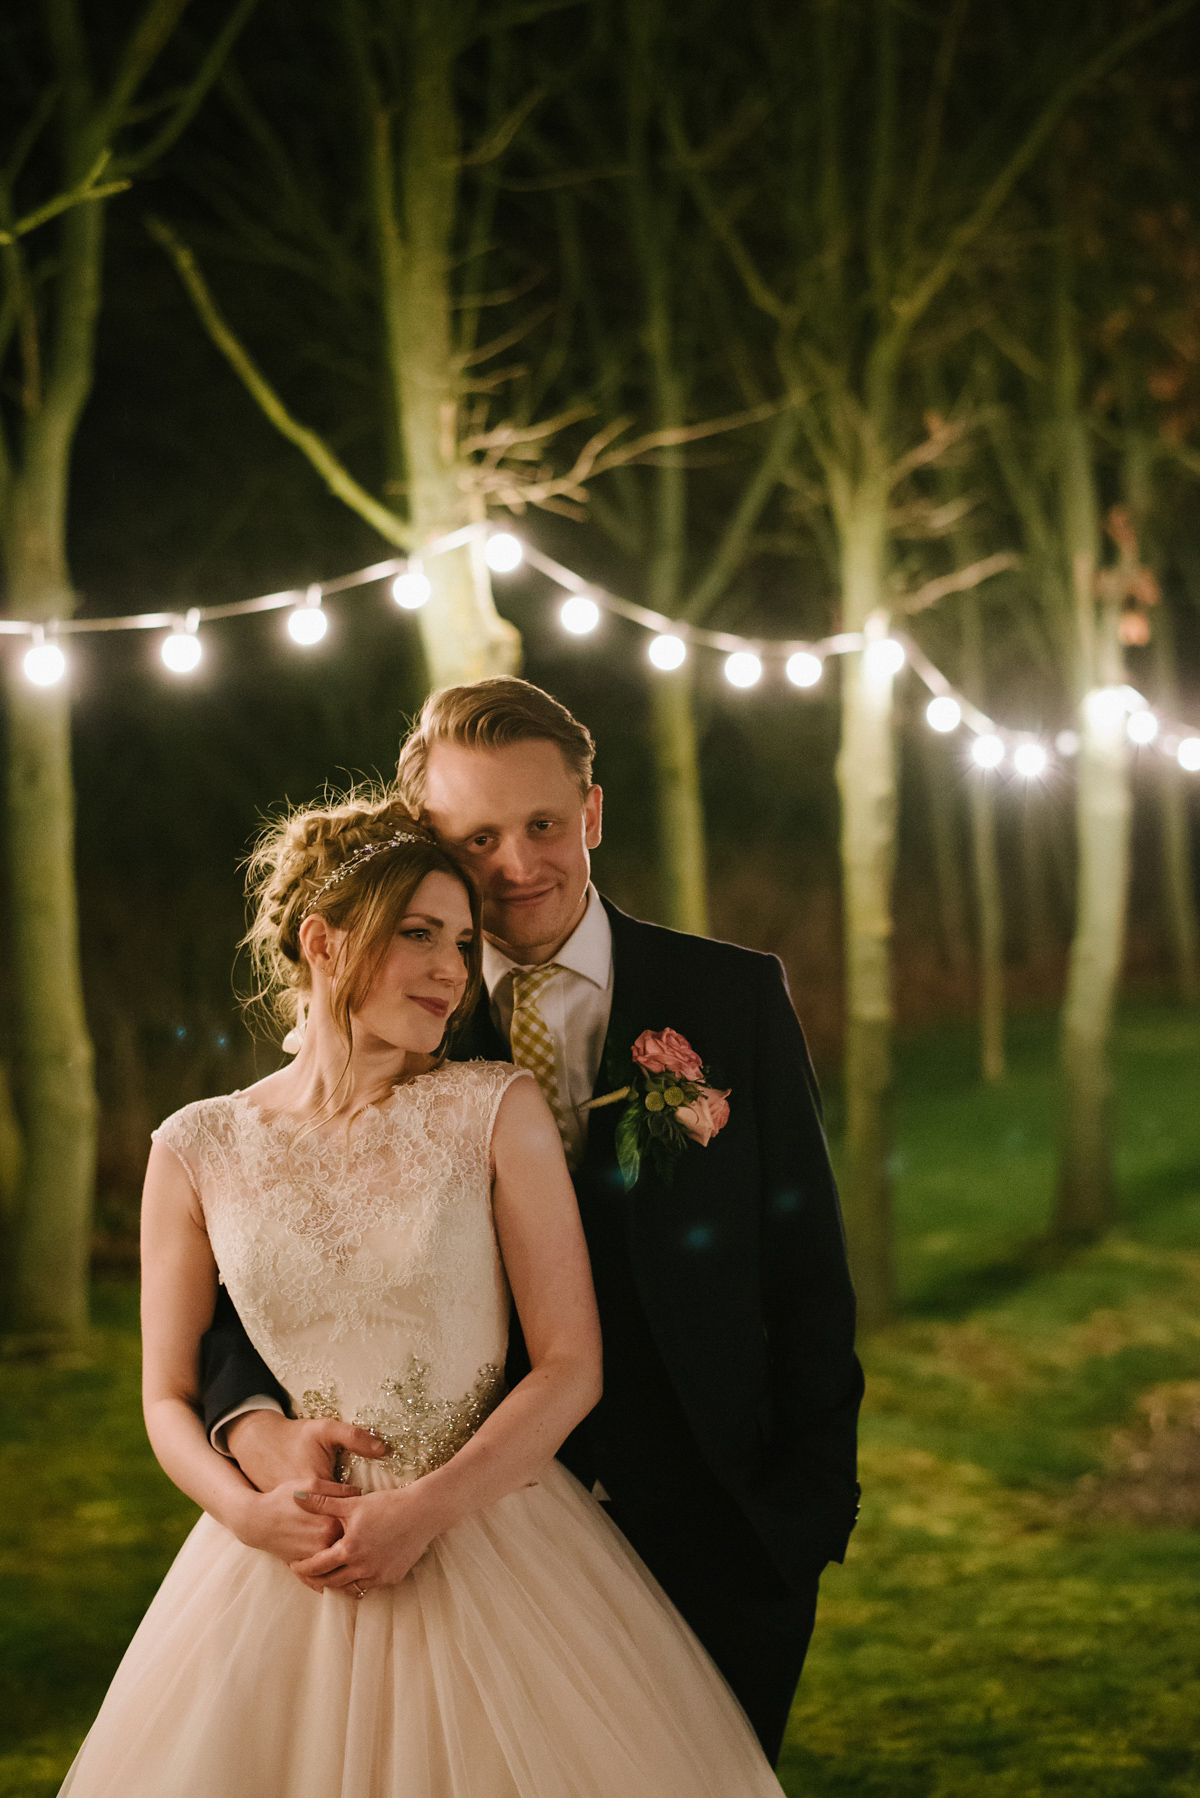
column 274, row 1522
column 384, row 1535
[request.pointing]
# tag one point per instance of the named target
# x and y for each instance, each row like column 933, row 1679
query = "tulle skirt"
column 529, row 1654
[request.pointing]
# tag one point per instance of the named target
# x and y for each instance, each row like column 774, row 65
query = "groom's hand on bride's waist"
column 273, row 1450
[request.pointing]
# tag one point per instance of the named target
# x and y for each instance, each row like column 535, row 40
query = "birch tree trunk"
column 48, row 1300
column 866, row 775
column 944, row 835
column 682, row 845
column 415, row 208
column 56, row 1092
column 989, row 899
column 1086, row 1185
column 1085, row 1196
column 1179, row 893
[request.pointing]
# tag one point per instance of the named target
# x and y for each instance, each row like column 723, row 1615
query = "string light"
column 804, row 669
column 886, row 657
column 412, row 588
column 1105, row 708
column 579, row 615
column 943, row 714
column 307, row 623
column 503, row 552
column 1108, row 709
column 45, row 663
column 667, row 651
column 181, row 651
column 743, row 669
column 1030, row 759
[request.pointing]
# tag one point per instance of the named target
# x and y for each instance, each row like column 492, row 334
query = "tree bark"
column 1086, row 1184
column 866, row 776
column 48, row 1301
column 1179, row 892
column 414, row 211
column 944, row 836
column 684, row 874
column 682, row 844
column 1040, row 936
column 1086, row 1180
column 56, row 1091
column 989, row 897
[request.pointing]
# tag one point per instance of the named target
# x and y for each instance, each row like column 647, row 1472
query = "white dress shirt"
column 576, row 1003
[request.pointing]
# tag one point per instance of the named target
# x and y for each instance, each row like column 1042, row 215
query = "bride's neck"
column 326, row 1082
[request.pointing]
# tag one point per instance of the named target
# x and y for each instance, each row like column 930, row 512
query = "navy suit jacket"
column 739, row 1263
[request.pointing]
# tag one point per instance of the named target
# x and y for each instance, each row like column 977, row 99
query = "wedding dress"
column 528, row 1654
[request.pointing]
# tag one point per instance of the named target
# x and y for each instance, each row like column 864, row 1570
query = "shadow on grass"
column 955, row 1293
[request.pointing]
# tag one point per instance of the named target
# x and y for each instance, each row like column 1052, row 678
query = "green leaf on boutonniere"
column 629, row 1155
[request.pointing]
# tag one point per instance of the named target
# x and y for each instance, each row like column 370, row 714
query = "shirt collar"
column 587, row 951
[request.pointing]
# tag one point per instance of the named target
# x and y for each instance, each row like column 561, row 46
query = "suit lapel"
column 479, row 1039
column 633, row 1000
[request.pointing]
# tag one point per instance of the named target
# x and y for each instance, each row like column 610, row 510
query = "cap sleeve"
column 180, row 1134
column 502, row 1075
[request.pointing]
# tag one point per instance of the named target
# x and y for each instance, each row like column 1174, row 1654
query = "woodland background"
column 683, row 237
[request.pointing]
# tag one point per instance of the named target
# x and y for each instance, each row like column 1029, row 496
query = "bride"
column 463, row 1621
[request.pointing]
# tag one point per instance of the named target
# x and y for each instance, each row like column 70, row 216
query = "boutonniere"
column 669, row 1103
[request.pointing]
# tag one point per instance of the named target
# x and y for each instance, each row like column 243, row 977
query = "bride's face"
column 423, row 974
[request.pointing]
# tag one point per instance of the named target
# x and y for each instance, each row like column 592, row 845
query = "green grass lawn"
column 992, row 1631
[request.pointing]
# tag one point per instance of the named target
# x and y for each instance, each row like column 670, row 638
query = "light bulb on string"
column 1142, row 727
column 885, row 657
column 743, row 669
column 412, row 588
column 1030, row 759
column 987, row 751
column 45, row 663
column 1188, row 754
column 181, row 651
column 1105, row 708
column 943, row 714
column 804, row 669
column 667, row 651
column 579, row 614
column 503, row 552
column 307, row 623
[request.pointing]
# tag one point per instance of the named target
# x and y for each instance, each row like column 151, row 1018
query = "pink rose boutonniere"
column 670, row 1103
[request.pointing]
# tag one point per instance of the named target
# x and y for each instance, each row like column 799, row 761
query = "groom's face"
column 517, row 819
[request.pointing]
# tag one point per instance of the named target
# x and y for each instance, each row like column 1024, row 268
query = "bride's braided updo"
column 357, row 864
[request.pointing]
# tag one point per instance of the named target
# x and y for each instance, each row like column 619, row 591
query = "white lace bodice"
column 365, row 1268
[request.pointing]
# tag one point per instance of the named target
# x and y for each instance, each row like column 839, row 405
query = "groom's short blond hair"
column 491, row 714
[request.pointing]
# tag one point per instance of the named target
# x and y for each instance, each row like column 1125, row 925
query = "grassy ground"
column 999, row 1628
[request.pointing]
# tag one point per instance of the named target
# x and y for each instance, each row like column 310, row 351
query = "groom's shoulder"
column 704, row 956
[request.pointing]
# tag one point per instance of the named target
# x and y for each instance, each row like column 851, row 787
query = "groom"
column 724, row 1444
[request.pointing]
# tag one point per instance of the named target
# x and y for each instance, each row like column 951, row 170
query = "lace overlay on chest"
column 365, row 1268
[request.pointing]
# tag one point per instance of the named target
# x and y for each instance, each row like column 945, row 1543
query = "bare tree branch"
column 910, row 308
column 336, row 476
column 87, row 190
column 498, row 139
column 735, row 537
column 963, row 580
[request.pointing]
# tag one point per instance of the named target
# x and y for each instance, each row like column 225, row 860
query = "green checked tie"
column 533, row 1046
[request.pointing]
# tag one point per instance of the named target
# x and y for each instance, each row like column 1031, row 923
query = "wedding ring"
column 360, row 1591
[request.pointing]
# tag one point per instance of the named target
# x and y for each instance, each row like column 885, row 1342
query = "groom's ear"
column 593, row 817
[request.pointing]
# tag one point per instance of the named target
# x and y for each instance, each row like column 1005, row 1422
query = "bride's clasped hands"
column 382, row 1536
